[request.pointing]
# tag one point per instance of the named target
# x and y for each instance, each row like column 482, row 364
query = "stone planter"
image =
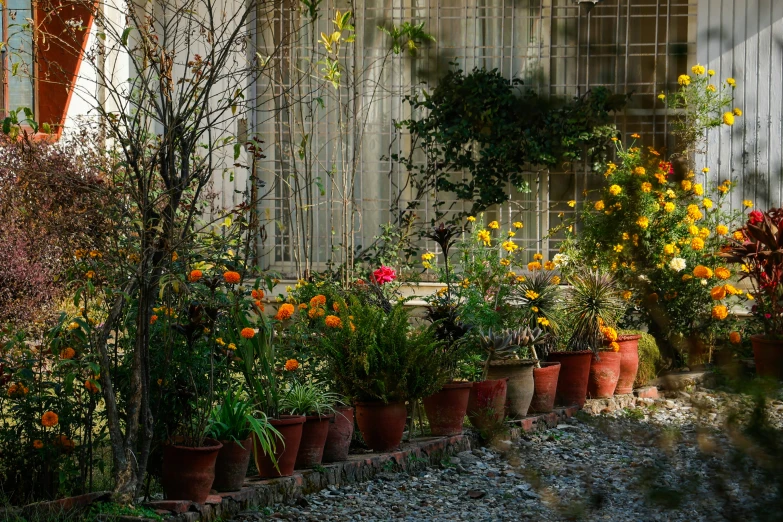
column 604, row 373
column 286, row 450
column 188, row 473
column 519, row 391
column 545, row 387
column 381, row 424
column 231, row 465
column 768, row 354
column 311, row 448
column 446, row 409
column 573, row 378
column 338, row 441
column 487, row 405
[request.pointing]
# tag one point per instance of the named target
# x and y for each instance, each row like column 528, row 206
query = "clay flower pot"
column 188, row 473
column 545, row 387
column 519, row 391
column 629, row 363
column 314, row 433
column 768, row 354
column 381, row 424
column 338, row 440
column 290, row 427
column 487, row 404
column 604, row 373
column 574, row 374
column 231, row 465
column 446, row 409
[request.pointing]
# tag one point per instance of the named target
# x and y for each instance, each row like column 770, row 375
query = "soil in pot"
column 519, row 390
column 487, row 405
column 231, row 465
column 545, row 387
column 188, row 473
column 286, row 450
column 768, row 355
column 338, row 441
column 446, row 409
column 629, row 363
column 381, row 424
column 573, row 378
column 604, row 373
column 314, row 433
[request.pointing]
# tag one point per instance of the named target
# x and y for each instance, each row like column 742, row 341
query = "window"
column 16, row 56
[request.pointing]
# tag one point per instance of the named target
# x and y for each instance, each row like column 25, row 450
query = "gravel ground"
column 671, row 460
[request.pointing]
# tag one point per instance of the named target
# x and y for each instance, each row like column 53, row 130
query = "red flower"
column 755, row 217
column 384, row 275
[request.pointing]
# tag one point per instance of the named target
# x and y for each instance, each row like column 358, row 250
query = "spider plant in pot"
column 236, row 423
column 317, row 405
column 592, row 302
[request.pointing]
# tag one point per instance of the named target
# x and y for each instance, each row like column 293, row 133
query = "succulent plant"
column 503, row 344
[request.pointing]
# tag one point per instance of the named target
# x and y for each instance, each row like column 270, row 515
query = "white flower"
column 703, row 282
column 643, row 278
column 560, row 260
column 677, row 264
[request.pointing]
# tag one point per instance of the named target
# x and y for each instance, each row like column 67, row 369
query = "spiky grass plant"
column 593, row 300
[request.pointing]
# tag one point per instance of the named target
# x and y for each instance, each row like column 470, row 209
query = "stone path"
column 670, row 460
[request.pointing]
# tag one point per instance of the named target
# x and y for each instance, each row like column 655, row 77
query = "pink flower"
column 384, row 274
column 755, row 217
column 767, row 315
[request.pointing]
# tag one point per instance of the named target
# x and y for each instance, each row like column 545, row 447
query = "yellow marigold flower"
column 707, row 202
column 466, row 282
column 614, row 138
column 555, row 280
column 543, row 321
column 549, row 265
column 538, row 256
column 640, row 171
column 697, row 243
column 718, row 293
column 505, row 261
column 723, row 189
column 471, row 219
column 332, row 321
column 732, row 82
column 530, row 294
column 684, row 79
column 728, row 118
column 599, row 205
column 231, row 277
column 731, row 289
column 285, row 311
column 662, row 96
column 698, row 189
column 702, row 272
column 720, row 312
column 247, row 333
column 661, row 177
column 745, row 268
column 521, row 279
column 510, row 274
column 511, row 233
column 426, row 264
column 669, row 207
column 618, row 248
column 686, row 185
column 615, row 190
column 749, row 296
column 636, row 135
column 90, row 274
column 231, row 346
column 694, row 212
column 711, row 88
column 698, row 69
column 494, row 225
column 535, row 265
column 427, row 256
column 693, row 230
column 220, row 341
column 49, row 419
column 643, row 222
column 291, row 365
column 687, row 277
column 609, row 333
column 734, row 338
column 485, row 237
column 669, row 249
column 722, row 272
column 721, row 230
column 747, row 203
column 627, row 294
column 518, row 224
column 509, row 246
column 739, row 236
column 704, row 233
column 614, row 346
column 572, row 203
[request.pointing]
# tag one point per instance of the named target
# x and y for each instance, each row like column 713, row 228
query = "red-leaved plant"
column 758, row 246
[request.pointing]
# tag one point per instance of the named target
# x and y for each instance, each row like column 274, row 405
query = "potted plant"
column 605, row 365
column 316, row 405
column 592, row 300
column 338, row 440
column 758, row 247
column 232, row 423
column 629, row 361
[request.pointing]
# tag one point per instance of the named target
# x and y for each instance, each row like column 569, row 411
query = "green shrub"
column 649, row 357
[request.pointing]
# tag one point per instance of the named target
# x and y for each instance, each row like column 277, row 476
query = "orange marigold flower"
column 259, row 305
column 257, row 294
column 247, row 333
column 291, row 365
column 319, row 300
column 734, row 338
column 285, row 311
column 720, row 312
column 37, row 444
column 303, row 306
column 153, row 318
column 195, row 275
column 231, row 277
column 614, row 346
column 718, row 293
column 90, row 386
column 49, row 419
column 336, row 307
column 332, row 321
column 64, row 442
column 702, row 272
column 67, row 353
column 316, row 312
column 722, row 272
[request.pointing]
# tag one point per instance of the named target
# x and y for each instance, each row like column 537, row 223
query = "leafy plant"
column 235, row 420
column 592, row 302
column 308, row 399
column 508, row 343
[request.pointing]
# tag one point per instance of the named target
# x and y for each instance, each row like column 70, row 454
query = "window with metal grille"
column 17, row 84
column 557, row 47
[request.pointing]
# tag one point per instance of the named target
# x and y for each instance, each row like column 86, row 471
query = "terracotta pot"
column 446, row 409
column 338, row 441
column 574, row 374
column 545, row 384
column 629, row 364
column 188, row 473
column 381, row 424
column 487, row 404
column 231, row 465
column 768, row 354
column 290, row 427
column 314, row 433
column 519, row 391
column 604, row 373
